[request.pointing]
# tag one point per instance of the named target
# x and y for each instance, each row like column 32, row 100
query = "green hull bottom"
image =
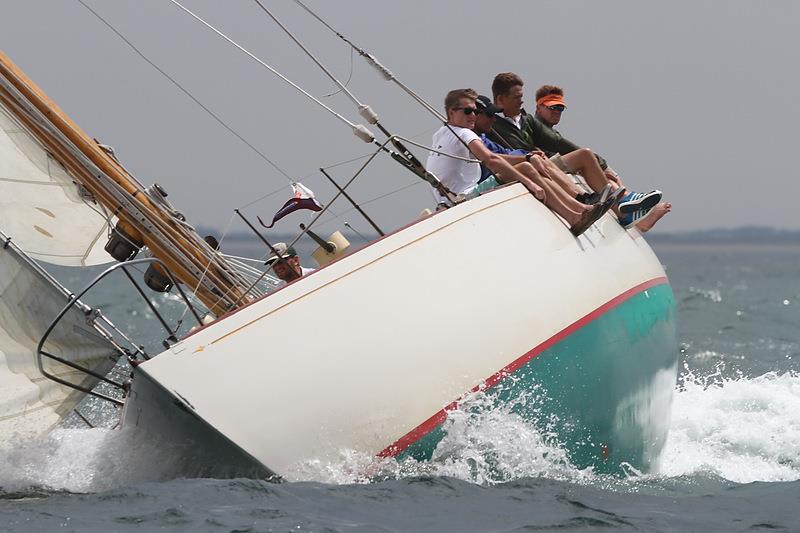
column 604, row 391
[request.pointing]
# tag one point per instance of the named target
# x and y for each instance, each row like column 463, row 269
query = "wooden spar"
column 215, row 282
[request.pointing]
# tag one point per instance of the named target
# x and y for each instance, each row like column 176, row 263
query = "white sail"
column 30, row 403
column 41, row 206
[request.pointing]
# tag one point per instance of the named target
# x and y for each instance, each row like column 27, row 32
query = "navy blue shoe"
column 631, row 219
column 634, row 201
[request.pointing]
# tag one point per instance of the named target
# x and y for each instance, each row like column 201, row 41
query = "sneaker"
column 629, row 220
column 616, row 194
column 605, row 193
column 634, row 201
column 591, row 198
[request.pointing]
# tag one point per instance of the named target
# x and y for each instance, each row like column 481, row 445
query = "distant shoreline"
column 739, row 239
column 718, row 246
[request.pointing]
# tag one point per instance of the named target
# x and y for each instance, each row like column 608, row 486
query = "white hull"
column 359, row 353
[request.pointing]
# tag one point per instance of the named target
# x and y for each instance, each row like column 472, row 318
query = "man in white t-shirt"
column 458, row 152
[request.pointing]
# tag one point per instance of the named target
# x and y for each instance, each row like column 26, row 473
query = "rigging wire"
column 273, row 193
column 309, row 54
column 375, row 199
column 403, row 155
column 358, row 129
column 388, row 76
column 338, row 194
column 349, row 77
column 236, row 134
column 186, row 92
column 364, row 156
column 385, row 72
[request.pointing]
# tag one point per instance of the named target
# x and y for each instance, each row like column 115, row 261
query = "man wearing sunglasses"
column 457, row 150
column 549, row 105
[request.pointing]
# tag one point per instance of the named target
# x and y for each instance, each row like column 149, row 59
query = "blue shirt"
column 496, row 149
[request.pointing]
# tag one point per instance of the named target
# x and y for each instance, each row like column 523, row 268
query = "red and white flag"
column 303, row 199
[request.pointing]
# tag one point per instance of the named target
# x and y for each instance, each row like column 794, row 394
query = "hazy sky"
column 697, row 98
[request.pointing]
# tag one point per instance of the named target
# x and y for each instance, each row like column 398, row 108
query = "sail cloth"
column 303, row 198
column 30, row 403
column 41, row 206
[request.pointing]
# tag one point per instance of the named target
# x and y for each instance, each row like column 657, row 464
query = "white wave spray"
column 485, row 442
column 742, row 429
column 738, row 428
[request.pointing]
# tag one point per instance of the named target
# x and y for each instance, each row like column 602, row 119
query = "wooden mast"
column 205, row 272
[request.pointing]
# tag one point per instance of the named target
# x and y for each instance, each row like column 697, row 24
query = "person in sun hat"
column 519, row 130
column 289, row 269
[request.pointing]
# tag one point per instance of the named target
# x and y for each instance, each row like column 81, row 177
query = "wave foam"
column 737, row 428
column 484, row 443
column 78, row 460
column 741, row 429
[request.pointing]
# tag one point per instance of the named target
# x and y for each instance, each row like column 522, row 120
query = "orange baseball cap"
column 551, row 99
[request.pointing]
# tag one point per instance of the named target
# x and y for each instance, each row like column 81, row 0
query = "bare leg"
column 653, row 216
column 547, row 168
column 556, row 198
column 583, row 162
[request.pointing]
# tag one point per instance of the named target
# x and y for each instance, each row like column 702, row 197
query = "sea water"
column 731, row 461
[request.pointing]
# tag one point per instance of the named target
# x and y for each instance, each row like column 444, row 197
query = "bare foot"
column 653, row 216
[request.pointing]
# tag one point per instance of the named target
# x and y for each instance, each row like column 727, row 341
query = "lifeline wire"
column 186, row 92
column 346, row 185
column 364, row 156
column 371, row 200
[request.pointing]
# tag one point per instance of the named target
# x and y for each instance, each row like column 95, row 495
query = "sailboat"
column 493, row 297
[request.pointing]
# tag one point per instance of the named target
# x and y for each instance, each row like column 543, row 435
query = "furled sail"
column 42, row 208
column 30, row 403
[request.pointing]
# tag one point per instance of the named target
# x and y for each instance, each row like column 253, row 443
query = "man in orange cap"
column 550, row 105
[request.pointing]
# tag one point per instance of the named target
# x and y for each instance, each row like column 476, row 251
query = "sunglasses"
column 466, row 110
column 556, row 107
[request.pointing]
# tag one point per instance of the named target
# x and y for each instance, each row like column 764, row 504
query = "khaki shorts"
column 559, row 162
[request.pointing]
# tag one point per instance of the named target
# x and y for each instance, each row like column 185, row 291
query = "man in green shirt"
column 518, row 130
